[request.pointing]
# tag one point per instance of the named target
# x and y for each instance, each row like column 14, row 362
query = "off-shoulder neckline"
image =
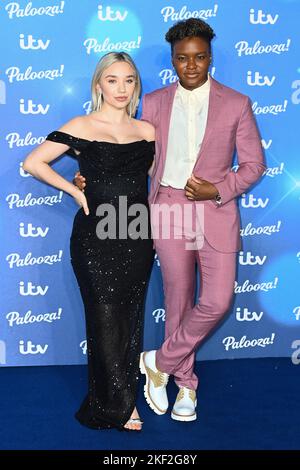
column 103, row 141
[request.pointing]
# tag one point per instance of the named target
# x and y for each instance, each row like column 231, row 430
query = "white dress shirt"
column 186, row 132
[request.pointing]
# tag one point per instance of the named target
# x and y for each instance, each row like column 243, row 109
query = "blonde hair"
column 106, row 61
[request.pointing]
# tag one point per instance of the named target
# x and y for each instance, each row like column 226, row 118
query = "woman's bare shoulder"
column 147, row 130
column 77, row 126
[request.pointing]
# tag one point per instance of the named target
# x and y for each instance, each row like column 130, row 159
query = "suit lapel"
column 215, row 96
column 214, row 106
column 166, row 110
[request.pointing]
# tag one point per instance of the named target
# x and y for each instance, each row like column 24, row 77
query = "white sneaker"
column 184, row 408
column 156, row 382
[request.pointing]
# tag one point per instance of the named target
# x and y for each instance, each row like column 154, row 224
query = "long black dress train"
column 112, row 275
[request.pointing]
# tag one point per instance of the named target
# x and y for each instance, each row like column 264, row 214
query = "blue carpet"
column 242, row 404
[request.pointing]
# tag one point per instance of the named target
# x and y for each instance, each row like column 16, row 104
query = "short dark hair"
column 188, row 29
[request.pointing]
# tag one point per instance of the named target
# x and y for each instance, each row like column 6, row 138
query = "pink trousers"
column 187, row 322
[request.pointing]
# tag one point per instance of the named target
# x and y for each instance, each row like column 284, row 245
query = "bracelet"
column 218, row 199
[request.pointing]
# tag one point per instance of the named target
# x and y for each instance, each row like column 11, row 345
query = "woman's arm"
column 37, row 164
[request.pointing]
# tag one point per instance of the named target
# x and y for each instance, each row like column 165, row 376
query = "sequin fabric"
column 112, row 276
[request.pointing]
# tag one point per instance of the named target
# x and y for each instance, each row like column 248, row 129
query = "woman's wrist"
column 74, row 190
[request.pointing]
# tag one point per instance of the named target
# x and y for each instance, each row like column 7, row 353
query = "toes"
column 133, row 426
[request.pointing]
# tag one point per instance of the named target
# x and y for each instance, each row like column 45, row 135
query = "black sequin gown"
column 112, row 274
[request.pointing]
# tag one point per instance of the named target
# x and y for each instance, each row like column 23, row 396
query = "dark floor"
column 242, row 404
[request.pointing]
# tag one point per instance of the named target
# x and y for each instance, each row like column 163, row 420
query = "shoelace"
column 181, row 394
column 163, row 378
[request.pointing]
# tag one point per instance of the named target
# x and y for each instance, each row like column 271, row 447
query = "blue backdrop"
column 48, row 54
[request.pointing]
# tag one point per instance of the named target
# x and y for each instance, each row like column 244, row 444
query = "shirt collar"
column 198, row 93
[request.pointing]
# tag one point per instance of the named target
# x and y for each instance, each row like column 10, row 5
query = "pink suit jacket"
column 230, row 125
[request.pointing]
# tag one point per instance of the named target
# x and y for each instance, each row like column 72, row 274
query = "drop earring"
column 131, row 109
column 99, row 102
